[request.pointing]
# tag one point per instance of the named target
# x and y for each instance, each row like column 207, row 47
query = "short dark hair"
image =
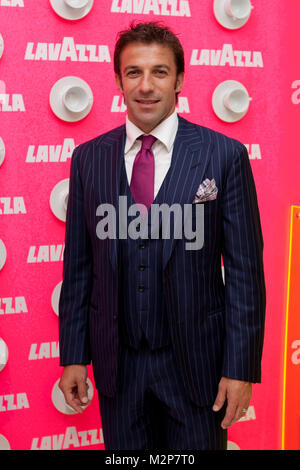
column 149, row 33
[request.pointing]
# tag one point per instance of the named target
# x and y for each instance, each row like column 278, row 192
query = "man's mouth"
column 147, row 101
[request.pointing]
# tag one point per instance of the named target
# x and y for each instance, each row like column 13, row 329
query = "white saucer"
column 3, row 354
column 55, row 298
column 4, row 444
column 226, row 20
column 69, row 13
column 232, row 446
column 217, row 101
column 58, row 199
column 56, row 98
column 1, row 45
column 2, row 254
column 59, row 402
column 2, row 151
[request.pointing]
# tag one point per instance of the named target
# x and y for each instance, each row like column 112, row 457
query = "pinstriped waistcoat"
column 140, row 281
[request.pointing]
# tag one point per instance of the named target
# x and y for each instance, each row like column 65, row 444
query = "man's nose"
column 146, row 84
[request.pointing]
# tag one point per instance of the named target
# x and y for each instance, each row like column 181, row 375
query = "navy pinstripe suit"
column 215, row 330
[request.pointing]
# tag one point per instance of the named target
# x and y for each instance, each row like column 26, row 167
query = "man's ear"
column 119, row 82
column 179, row 82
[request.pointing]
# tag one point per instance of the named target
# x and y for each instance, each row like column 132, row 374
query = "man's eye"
column 132, row 72
column 161, row 72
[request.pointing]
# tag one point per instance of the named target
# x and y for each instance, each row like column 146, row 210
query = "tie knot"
column 148, row 141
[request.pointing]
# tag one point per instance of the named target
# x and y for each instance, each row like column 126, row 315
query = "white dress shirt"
column 162, row 148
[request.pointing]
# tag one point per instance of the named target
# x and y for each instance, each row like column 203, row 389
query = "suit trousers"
column 151, row 409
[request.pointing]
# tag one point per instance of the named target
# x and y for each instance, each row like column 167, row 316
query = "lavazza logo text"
column 45, row 253
column 13, row 401
column 11, row 305
column 12, row 205
column 51, row 153
column 296, row 94
column 155, row 7
column 47, row 350
column 11, row 3
column 69, row 439
column 11, row 102
column 67, row 50
column 226, row 56
column 295, row 357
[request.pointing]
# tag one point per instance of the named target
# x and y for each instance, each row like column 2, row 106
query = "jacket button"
column 141, row 288
column 142, row 245
column 142, row 267
column 115, row 317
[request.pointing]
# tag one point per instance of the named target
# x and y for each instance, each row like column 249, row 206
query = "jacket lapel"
column 112, row 151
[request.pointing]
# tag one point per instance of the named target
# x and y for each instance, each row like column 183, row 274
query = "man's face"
column 149, row 83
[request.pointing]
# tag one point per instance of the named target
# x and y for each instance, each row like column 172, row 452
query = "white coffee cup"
column 76, row 99
column 238, row 9
column 76, row 3
column 237, row 100
column 3, row 255
column 2, row 151
column 55, row 298
column 3, row 354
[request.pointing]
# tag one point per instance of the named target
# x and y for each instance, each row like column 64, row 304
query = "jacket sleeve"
column 242, row 250
column 77, row 276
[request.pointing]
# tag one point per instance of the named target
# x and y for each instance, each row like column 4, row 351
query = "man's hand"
column 238, row 394
column 74, row 386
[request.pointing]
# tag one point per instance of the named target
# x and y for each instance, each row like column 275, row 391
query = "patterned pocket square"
column 206, row 191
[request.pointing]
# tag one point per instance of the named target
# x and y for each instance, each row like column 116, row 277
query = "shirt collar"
column 165, row 132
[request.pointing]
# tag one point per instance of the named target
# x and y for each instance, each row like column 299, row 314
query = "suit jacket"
column 216, row 329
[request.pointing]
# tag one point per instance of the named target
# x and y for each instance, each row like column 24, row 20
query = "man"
column 174, row 350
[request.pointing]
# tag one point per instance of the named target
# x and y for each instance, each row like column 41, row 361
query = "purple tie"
column 142, row 179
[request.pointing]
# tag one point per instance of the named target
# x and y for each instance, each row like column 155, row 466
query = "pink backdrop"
column 28, row 417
